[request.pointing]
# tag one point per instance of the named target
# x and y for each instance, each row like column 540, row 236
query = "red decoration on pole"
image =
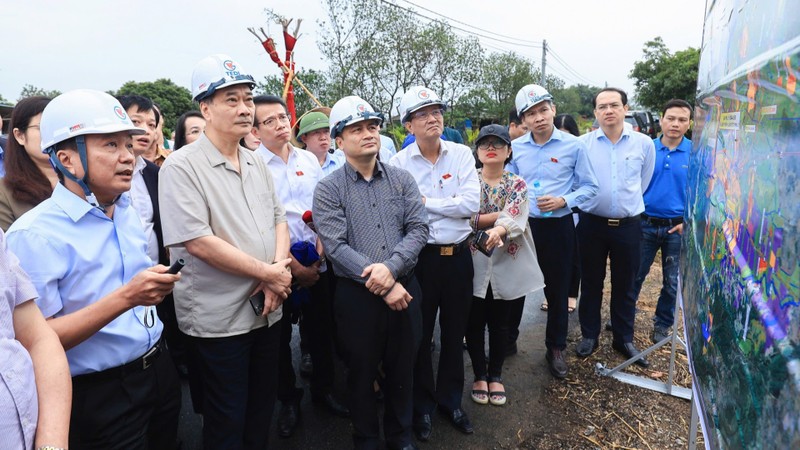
column 287, row 65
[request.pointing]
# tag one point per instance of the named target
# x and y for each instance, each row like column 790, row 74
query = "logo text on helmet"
column 361, row 107
column 120, row 112
column 230, row 68
column 76, row 127
column 423, row 94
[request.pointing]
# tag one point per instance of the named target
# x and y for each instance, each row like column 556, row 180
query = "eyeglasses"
column 272, row 122
column 424, row 114
column 497, row 145
column 609, row 106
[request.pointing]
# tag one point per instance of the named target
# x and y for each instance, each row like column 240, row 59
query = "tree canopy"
column 30, row 90
column 173, row 100
column 662, row 75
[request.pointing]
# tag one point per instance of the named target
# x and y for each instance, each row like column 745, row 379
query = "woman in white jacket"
column 512, row 270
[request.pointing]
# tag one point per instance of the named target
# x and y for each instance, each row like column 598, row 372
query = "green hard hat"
column 311, row 122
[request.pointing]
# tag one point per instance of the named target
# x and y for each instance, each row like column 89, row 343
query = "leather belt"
column 137, row 365
column 448, row 249
column 609, row 221
column 659, row 222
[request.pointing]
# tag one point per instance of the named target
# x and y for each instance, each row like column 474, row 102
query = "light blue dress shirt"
column 332, row 162
column 75, row 255
column 623, row 172
column 561, row 166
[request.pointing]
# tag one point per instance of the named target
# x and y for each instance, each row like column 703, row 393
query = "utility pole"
column 544, row 61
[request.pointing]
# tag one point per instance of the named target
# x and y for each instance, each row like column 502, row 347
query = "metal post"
column 693, row 426
column 544, row 62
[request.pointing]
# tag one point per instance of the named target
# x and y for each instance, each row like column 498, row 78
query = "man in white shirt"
column 446, row 177
column 610, row 224
column 296, row 173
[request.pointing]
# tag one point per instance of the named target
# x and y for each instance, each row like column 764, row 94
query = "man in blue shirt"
column 610, row 226
column 557, row 162
column 86, row 253
column 664, row 203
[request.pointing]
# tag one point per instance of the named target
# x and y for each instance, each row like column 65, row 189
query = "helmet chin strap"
column 80, row 142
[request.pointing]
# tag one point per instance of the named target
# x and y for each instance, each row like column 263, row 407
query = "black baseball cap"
column 495, row 130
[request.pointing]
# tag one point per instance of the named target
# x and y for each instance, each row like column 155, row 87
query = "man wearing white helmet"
column 373, row 225
column 221, row 214
column 446, row 177
column 610, row 223
column 85, row 250
column 556, row 162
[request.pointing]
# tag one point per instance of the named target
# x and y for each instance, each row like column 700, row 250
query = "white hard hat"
column 81, row 112
column 415, row 98
column 217, row 72
column 350, row 110
column 529, row 96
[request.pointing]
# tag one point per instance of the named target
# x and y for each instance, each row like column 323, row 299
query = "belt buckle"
column 146, row 359
column 613, row 222
column 446, row 251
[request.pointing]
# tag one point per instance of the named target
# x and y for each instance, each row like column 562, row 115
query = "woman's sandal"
column 497, row 398
column 480, row 396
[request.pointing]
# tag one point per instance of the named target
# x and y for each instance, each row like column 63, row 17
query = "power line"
column 411, row 11
column 450, row 19
column 567, row 67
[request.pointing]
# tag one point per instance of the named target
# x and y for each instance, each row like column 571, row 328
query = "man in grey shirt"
column 373, row 225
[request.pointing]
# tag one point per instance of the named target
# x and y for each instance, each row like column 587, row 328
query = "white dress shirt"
column 450, row 186
column 295, row 182
column 140, row 198
column 623, row 172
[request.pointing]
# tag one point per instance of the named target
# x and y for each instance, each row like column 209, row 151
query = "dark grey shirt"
column 363, row 222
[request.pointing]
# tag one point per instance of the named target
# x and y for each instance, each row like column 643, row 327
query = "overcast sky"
column 102, row 44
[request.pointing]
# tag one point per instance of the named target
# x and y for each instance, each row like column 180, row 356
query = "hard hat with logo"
column 312, row 121
column 416, row 98
column 76, row 114
column 217, row 72
column 350, row 110
column 529, row 96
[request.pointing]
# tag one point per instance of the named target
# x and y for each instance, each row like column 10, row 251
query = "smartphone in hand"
column 257, row 302
column 480, row 243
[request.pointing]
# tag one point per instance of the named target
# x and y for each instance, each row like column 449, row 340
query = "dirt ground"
column 594, row 412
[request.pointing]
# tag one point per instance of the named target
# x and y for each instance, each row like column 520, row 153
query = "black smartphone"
column 480, row 243
column 257, row 302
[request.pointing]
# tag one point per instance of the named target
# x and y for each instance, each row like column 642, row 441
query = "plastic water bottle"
column 538, row 191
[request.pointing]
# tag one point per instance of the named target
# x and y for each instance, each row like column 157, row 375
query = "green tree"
column 662, row 75
column 314, row 80
column 3, row 100
column 173, row 100
column 576, row 100
column 30, row 90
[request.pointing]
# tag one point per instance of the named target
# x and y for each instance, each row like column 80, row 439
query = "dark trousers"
column 372, row 334
column 130, row 410
column 240, row 375
column 446, row 283
column 317, row 317
column 495, row 315
column 555, row 248
column 598, row 242
column 575, row 278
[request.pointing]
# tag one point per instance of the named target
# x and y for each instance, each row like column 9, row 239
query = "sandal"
column 572, row 304
column 497, row 398
column 544, row 305
column 480, row 396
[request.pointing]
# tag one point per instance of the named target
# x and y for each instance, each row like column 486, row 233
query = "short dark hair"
column 268, row 100
column 567, row 122
column 141, row 103
column 677, row 103
column 619, row 91
column 180, row 128
column 513, row 117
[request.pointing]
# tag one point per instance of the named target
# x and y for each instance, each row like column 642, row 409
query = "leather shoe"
column 609, row 327
column 586, row 347
column 557, row 363
column 459, row 420
column 660, row 333
column 306, row 365
column 423, row 427
column 331, row 404
column 289, row 417
column 628, row 350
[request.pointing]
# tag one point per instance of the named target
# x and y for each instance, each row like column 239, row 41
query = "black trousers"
column 240, row 377
column 371, row 334
column 495, row 315
column 446, row 283
column 132, row 410
column 555, row 248
column 598, row 242
column 317, row 317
